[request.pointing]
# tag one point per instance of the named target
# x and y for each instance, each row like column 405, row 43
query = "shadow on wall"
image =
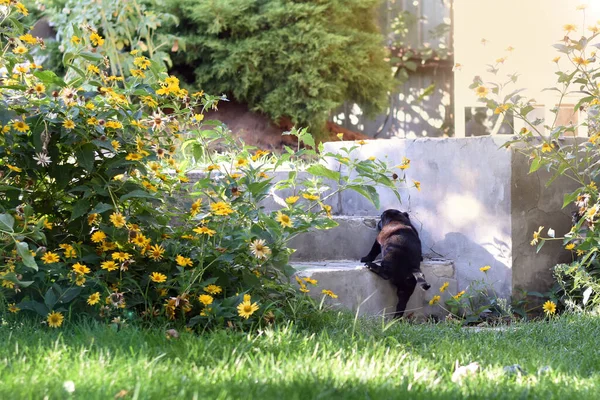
column 464, row 252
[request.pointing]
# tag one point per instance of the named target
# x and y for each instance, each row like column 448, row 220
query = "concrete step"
column 351, row 240
column 361, row 291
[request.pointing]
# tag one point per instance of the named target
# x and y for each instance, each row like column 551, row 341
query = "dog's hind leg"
column 421, row 280
column 404, row 290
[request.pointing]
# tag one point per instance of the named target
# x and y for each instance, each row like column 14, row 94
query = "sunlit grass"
column 328, row 358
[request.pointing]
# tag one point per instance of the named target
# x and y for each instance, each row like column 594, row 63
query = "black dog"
column 400, row 246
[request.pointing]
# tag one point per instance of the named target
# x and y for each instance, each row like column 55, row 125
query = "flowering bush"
column 564, row 154
column 98, row 217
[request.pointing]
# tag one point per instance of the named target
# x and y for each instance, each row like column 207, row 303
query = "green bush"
column 98, row 218
column 286, row 58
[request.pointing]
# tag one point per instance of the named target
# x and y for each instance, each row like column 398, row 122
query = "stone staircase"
column 332, row 258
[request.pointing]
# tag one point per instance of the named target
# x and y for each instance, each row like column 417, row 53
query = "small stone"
column 544, row 370
column 515, row 369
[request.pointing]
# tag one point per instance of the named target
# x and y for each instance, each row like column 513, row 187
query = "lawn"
column 330, row 358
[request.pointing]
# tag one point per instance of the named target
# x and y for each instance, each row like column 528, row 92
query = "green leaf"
column 535, row 165
column 28, row 260
column 36, row 306
column 12, row 277
column 321, row 170
column 570, row 198
column 85, row 156
column 100, row 208
column 49, row 78
column 137, row 194
column 69, row 294
column 50, row 299
column 369, row 192
column 7, row 222
column 80, row 208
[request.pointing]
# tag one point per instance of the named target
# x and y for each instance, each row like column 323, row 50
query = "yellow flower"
column 28, row 38
column 13, row 308
column 570, row 246
column 221, row 208
column 555, row 59
column 284, row 220
column 485, row 268
column 213, row 289
column 92, row 121
column 69, row 124
column 581, row 61
column 114, row 124
column 481, row 91
column 39, row 88
column 75, row 39
column 80, row 269
column 115, row 144
column 20, row 50
column 340, row 136
column 158, row 277
column 141, row 62
column 458, row 295
column 55, row 319
column 246, row 309
column 98, row 236
column 444, row 287
column 156, row 252
column 13, row 168
column 196, row 207
column 536, row 236
column 292, row 199
column 93, row 299
column 138, row 73
column 329, row 293
column 549, row 307
column 183, row 261
column 547, row 148
column 96, row 39
column 259, row 249
column 309, row 196
column 202, row 230
column 372, row 158
column 205, row 299
column 109, row 265
column 121, row 256
column 310, row 280
column 21, row 126
column 22, row 9
column 417, row 185
column 434, row 300
column 50, row 258
column 118, row 220
column 240, row 162
column 569, row 28
column 94, row 69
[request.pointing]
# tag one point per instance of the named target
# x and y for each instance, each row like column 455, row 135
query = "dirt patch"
column 258, row 130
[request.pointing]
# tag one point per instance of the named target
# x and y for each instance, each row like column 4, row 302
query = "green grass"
column 329, row 359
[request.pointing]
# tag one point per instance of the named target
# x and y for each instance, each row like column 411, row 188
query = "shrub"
column 564, row 154
column 286, row 58
column 97, row 216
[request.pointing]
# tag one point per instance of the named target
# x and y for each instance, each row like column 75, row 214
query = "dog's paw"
column 366, row 260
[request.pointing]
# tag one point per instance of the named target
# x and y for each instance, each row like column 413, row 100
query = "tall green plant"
column 286, row 58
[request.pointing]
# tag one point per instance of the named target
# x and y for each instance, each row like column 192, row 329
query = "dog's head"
column 393, row 215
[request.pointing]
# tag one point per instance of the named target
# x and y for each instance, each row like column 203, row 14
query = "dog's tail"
column 421, row 280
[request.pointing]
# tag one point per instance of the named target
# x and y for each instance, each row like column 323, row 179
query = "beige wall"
column 531, row 27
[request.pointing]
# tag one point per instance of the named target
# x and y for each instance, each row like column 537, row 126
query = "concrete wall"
column 477, row 206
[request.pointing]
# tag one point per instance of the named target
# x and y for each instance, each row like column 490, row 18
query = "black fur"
column 400, row 246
